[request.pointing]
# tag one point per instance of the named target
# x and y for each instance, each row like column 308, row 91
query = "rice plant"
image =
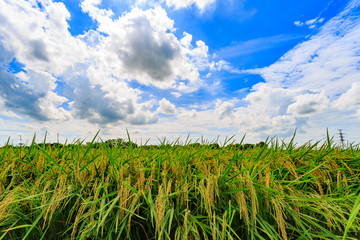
column 118, row 190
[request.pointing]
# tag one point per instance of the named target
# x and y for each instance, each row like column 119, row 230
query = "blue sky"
column 166, row 68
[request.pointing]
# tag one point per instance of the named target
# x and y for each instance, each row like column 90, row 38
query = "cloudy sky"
column 168, row 68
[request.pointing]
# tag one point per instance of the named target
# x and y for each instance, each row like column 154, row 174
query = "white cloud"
column 266, row 112
column 311, row 24
column 141, row 46
column 166, row 107
column 188, row 114
column 176, row 94
column 224, row 109
column 238, row 49
column 308, row 104
column 349, row 100
column 9, row 113
column 327, row 61
column 201, row 4
column 223, row 65
column 97, row 68
column 311, row 83
column 358, row 113
column 311, row 21
column 266, row 100
column 93, row 69
column 298, row 23
column 102, row 99
column 40, row 37
column 31, row 93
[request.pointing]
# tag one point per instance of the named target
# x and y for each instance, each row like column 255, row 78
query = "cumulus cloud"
column 313, row 79
column 265, row 112
column 268, row 100
column 350, row 99
column 201, row 4
column 166, row 107
column 88, row 78
column 186, row 114
column 141, row 45
column 307, row 104
column 96, row 68
column 38, row 36
column 327, row 61
column 224, row 109
column 105, row 101
column 298, row 23
column 306, row 89
column 9, row 113
column 31, row 93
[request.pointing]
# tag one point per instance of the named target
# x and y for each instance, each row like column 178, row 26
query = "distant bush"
column 195, row 145
column 214, row 146
column 113, row 143
column 150, row 147
column 50, row 145
column 238, row 146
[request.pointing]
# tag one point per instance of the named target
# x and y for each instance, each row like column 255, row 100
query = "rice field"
column 274, row 190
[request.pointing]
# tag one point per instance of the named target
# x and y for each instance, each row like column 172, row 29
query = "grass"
column 192, row 191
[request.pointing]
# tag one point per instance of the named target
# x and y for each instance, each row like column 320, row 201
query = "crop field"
column 118, row 190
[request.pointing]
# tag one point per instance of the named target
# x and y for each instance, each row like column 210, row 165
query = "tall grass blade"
column 353, row 214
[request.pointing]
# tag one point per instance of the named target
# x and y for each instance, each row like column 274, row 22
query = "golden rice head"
column 5, row 205
column 160, row 206
column 279, row 213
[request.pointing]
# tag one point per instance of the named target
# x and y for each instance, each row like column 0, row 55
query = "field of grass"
column 189, row 191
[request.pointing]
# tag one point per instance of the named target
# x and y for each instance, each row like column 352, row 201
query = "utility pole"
column 342, row 138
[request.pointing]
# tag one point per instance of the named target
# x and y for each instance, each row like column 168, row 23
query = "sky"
column 168, row 68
